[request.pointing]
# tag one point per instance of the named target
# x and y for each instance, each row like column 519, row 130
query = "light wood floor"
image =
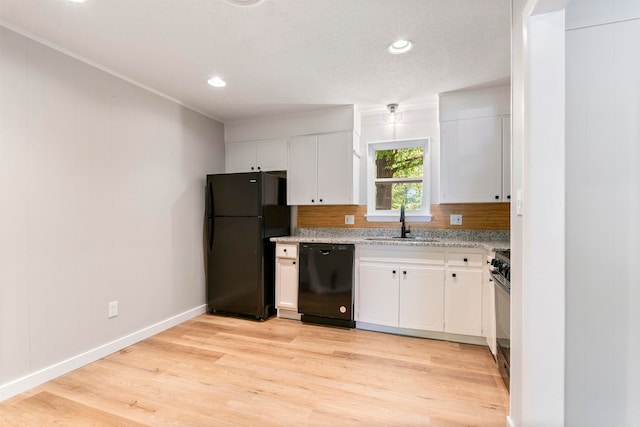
column 217, row 371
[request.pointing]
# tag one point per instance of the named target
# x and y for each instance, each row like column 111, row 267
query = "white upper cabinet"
column 475, row 152
column 323, row 169
column 506, row 158
column 253, row 156
column 471, row 154
column 302, row 173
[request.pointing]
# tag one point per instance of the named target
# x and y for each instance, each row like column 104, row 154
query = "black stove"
column 501, row 275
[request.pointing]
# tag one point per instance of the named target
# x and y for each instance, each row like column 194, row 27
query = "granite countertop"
column 370, row 237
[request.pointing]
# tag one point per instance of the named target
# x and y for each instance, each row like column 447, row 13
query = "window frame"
column 422, row 215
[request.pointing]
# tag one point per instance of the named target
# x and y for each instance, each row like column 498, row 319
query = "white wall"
column 537, row 233
column 601, row 378
column 603, row 207
column 101, row 199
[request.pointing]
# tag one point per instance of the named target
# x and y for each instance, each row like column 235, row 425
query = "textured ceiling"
column 280, row 56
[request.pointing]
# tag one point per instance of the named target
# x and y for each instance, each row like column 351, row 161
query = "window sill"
column 396, row 218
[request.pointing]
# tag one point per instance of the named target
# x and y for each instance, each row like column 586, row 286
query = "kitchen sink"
column 414, row 239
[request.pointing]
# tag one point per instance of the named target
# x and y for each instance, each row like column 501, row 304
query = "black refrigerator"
column 243, row 211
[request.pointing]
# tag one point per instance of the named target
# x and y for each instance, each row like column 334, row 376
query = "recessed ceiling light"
column 216, row 82
column 400, row 46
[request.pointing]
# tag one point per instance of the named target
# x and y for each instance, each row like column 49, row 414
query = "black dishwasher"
column 325, row 293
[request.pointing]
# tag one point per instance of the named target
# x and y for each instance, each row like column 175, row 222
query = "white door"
column 421, row 298
column 240, row 157
column 335, row 162
column 463, row 302
column 489, row 313
column 286, row 284
column 302, row 171
column 271, row 155
column 506, row 158
column 378, row 294
column 471, row 165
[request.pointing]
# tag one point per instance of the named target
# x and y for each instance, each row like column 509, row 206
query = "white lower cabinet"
column 378, row 294
column 401, row 287
column 287, row 280
column 433, row 290
column 463, row 302
column 402, row 296
column 488, row 310
column 421, row 298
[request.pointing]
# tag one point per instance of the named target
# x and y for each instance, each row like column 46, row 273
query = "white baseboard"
column 34, row 379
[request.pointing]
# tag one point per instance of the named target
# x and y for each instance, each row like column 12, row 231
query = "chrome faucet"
column 403, row 229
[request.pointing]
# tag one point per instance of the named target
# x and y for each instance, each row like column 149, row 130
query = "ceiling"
column 280, row 56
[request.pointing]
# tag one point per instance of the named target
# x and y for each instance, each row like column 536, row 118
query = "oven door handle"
column 498, row 280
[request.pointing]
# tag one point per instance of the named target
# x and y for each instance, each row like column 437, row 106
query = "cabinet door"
column 286, row 284
column 506, row 159
column 335, row 163
column 240, row 157
column 302, row 171
column 271, row 155
column 489, row 313
column 378, row 294
column 463, row 302
column 421, row 298
column 471, row 160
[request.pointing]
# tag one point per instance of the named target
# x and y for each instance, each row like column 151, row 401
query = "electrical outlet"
column 349, row 219
column 455, row 219
column 113, row 309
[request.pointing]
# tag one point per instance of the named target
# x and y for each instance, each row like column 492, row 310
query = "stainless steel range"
column 501, row 275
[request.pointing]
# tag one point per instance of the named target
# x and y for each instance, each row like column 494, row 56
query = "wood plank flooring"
column 221, row 371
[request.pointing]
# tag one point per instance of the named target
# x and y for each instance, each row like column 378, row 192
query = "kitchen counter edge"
column 442, row 243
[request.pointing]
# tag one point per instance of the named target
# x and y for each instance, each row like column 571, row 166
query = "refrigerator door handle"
column 210, row 231
column 209, row 204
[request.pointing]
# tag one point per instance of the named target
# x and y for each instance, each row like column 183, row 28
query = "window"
column 397, row 173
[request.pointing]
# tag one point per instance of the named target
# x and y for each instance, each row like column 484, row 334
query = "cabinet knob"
column 465, row 260
column 394, row 272
column 453, row 275
column 497, row 197
column 313, row 200
column 320, row 200
column 251, row 167
column 258, row 167
column 294, row 263
column 404, row 272
column 509, row 197
column 284, row 250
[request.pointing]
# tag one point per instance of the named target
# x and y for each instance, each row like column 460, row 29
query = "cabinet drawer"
column 286, row 251
column 464, row 260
